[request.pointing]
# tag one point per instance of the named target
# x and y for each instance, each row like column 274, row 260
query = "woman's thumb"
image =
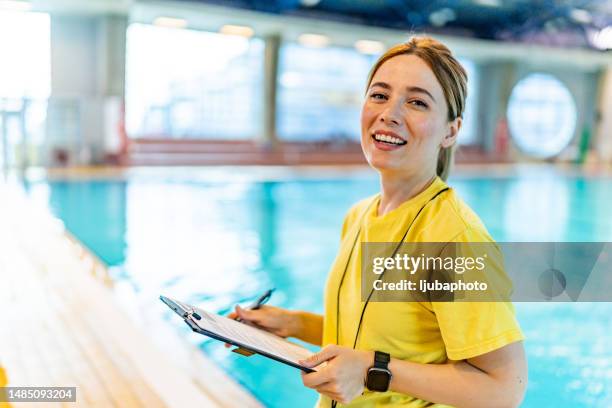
column 244, row 314
column 327, row 353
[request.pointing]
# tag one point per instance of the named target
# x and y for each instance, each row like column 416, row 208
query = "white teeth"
column 388, row 139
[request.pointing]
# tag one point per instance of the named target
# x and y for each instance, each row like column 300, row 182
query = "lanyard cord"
column 381, row 275
column 346, row 268
column 392, row 255
column 385, row 270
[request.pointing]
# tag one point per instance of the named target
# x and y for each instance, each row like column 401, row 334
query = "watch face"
column 378, row 379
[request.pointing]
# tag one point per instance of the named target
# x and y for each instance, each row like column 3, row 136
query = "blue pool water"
column 216, row 243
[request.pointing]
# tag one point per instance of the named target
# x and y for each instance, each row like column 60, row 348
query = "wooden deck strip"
column 113, row 385
column 109, row 376
column 46, row 365
column 29, row 328
column 126, row 373
column 21, row 339
column 12, row 355
column 89, row 387
column 17, row 328
column 59, row 326
column 103, row 383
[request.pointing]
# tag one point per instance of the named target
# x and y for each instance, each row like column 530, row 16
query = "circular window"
column 541, row 115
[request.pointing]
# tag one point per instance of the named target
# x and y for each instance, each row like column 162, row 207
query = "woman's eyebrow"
column 381, row 85
column 408, row 88
column 420, row 90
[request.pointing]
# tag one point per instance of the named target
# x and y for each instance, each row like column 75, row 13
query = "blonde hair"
column 449, row 73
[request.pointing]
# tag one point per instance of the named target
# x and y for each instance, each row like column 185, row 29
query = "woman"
column 442, row 353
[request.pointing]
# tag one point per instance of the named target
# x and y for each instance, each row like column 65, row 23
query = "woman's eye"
column 377, row 96
column 418, row 103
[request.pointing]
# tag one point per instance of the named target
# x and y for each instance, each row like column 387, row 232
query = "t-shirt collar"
column 417, row 201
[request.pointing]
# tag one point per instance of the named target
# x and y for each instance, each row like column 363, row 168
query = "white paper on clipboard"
column 242, row 334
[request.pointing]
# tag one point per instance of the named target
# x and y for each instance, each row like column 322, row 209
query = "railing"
column 58, row 131
column 22, row 131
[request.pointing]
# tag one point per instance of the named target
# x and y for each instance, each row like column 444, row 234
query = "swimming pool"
column 215, row 243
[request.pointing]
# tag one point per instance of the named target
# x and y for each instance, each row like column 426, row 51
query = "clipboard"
column 249, row 340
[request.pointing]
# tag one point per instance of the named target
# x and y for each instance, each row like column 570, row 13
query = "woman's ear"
column 453, row 129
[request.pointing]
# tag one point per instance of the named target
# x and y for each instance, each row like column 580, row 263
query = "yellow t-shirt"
column 422, row 332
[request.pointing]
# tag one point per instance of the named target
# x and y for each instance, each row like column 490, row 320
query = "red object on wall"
column 123, row 138
column 61, row 157
column 502, row 138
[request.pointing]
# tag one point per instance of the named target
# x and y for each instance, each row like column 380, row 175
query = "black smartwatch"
column 379, row 376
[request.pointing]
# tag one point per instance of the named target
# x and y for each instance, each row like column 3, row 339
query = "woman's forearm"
column 458, row 384
column 496, row 379
column 308, row 327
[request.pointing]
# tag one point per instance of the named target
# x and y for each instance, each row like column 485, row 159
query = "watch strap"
column 381, row 359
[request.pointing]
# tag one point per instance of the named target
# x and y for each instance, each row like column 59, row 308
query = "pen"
column 260, row 301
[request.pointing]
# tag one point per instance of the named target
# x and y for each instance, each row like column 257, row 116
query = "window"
column 192, row 84
column 541, row 115
column 25, row 85
column 320, row 91
column 25, row 71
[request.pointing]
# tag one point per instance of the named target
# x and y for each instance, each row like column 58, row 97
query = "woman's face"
column 404, row 120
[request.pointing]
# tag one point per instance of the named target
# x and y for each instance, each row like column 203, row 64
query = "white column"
column 87, row 85
column 272, row 45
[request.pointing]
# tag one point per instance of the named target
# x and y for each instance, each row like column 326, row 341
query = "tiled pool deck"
column 61, row 325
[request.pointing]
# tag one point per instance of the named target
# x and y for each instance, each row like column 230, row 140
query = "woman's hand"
column 343, row 377
column 282, row 322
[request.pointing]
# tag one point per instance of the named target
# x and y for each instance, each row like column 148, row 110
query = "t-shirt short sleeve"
column 470, row 329
column 473, row 328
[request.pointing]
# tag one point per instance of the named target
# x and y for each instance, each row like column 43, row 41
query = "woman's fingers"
column 327, row 353
column 241, row 314
column 325, row 389
column 249, row 315
column 330, row 389
column 269, row 318
column 324, row 382
column 315, row 379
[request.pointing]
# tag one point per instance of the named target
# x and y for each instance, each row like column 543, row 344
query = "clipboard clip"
column 185, row 311
column 192, row 314
column 243, row 351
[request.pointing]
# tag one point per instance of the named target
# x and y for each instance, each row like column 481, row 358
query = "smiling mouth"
column 390, row 140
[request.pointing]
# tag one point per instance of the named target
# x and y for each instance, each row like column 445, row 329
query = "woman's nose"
column 391, row 115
